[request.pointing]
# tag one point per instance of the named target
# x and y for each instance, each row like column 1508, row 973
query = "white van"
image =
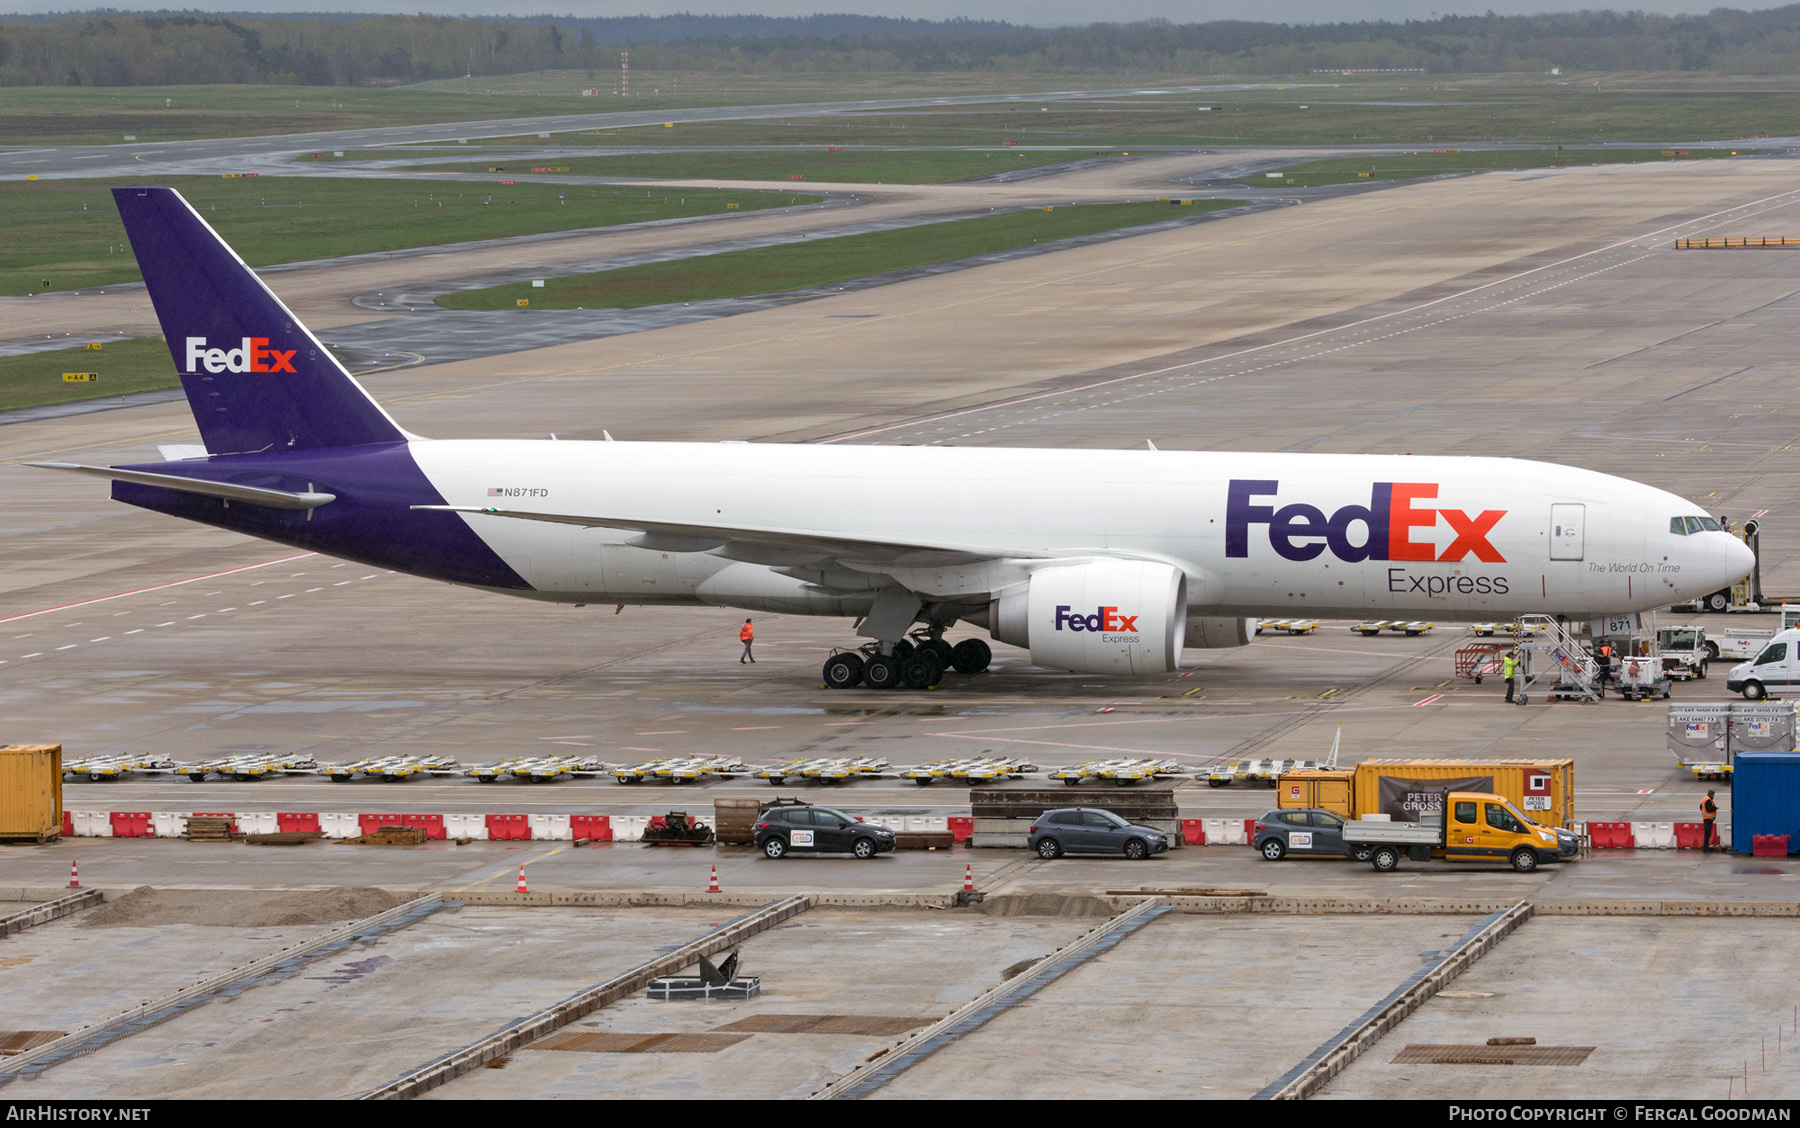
column 1775, row 668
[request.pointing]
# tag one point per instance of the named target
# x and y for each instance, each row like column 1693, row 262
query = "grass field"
column 883, row 166
column 819, row 262
column 1641, row 106
column 65, row 115
column 136, row 365
column 1348, row 170
column 66, row 235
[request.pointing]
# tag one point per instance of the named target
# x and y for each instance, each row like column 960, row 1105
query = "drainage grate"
column 617, row 1043
column 1492, row 1055
column 18, row 1041
column 873, row 1025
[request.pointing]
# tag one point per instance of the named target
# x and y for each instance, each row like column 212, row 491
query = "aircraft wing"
column 680, row 537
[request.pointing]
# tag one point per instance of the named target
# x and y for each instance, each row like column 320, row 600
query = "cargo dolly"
column 110, row 768
column 981, row 769
column 829, row 769
column 390, row 769
column 1123, row 772
column 540, row 769
column 247, row 768
column 682, row 769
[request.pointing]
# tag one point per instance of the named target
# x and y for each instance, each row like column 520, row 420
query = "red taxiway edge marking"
column 156, row 587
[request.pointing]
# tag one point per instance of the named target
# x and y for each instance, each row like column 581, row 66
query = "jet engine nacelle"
column 1212, row 633
column 1102, row 617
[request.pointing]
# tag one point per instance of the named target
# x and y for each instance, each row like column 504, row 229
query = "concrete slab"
column 1186, row 1007
column 64, row 975
column 1674, row 1008
column 823, row 962
column 353, row 1021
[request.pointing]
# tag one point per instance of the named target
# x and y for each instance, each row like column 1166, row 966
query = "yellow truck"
column 1470, row 826
column 1410, row 790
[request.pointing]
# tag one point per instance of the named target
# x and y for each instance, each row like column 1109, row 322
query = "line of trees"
column 125, row 49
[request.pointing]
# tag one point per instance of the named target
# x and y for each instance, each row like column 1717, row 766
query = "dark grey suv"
column 1089, row 830
column 821, row 830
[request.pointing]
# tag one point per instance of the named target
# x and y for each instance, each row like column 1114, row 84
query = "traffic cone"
column 521, row 888
column 968, row 877
column 74, row 877
column 713, row 887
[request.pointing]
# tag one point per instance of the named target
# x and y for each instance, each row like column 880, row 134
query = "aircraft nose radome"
column 1739, row 561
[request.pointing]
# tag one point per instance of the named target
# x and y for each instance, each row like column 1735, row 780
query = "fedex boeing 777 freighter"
column 1098, row 561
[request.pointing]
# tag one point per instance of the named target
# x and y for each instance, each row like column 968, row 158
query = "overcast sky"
column 1039, row 13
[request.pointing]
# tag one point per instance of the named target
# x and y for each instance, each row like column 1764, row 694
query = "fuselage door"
column 1566, row 521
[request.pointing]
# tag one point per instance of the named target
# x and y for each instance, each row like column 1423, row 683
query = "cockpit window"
column 1685, row 526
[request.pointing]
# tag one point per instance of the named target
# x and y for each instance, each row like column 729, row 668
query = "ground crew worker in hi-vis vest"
column 1509, row 669
column 745, row 634
column 1709, row 812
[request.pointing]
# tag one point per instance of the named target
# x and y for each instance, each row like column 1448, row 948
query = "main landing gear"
column 917, row 663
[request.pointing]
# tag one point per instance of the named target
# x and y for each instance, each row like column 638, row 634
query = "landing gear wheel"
column 971, row 656
column 881, row 672
column 941, row 650
column 842, row 671
column 921, row 671
column 1718, row 601
column 903, row 650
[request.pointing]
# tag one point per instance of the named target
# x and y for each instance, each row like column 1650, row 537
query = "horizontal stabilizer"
column 254, row 495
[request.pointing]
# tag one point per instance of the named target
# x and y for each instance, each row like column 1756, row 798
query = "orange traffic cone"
column 521, row 888
column 74, row 877
column 714, row 886
column 968, row 877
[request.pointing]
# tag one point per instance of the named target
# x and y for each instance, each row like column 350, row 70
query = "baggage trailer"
column 1470, row 826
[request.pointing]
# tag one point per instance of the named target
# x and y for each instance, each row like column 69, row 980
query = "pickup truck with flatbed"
column 1471, row 826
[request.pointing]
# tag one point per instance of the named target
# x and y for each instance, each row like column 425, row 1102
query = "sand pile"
column 241, row 908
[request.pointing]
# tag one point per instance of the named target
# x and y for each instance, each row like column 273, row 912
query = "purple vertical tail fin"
column 255, row 377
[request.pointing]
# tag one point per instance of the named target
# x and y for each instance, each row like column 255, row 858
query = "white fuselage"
column 1319, row 534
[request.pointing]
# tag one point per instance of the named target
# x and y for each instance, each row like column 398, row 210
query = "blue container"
column 1765, row 798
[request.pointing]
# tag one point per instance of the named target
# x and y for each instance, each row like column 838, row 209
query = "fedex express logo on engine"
column 254, row 355
column 1105, row 619
column 1301, row 532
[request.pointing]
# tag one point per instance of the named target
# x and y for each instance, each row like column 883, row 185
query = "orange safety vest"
column 745, row 634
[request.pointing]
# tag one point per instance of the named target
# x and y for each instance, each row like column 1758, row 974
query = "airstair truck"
column 1469, row 826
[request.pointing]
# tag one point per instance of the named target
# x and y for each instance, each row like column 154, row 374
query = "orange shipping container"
column 31, row 792
column 1404, row 789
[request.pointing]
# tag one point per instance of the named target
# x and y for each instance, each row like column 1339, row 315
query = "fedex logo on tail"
column 254, row 355
column 1387, row 525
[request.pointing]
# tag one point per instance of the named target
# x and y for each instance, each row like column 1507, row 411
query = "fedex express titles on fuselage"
column 1472, row 534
